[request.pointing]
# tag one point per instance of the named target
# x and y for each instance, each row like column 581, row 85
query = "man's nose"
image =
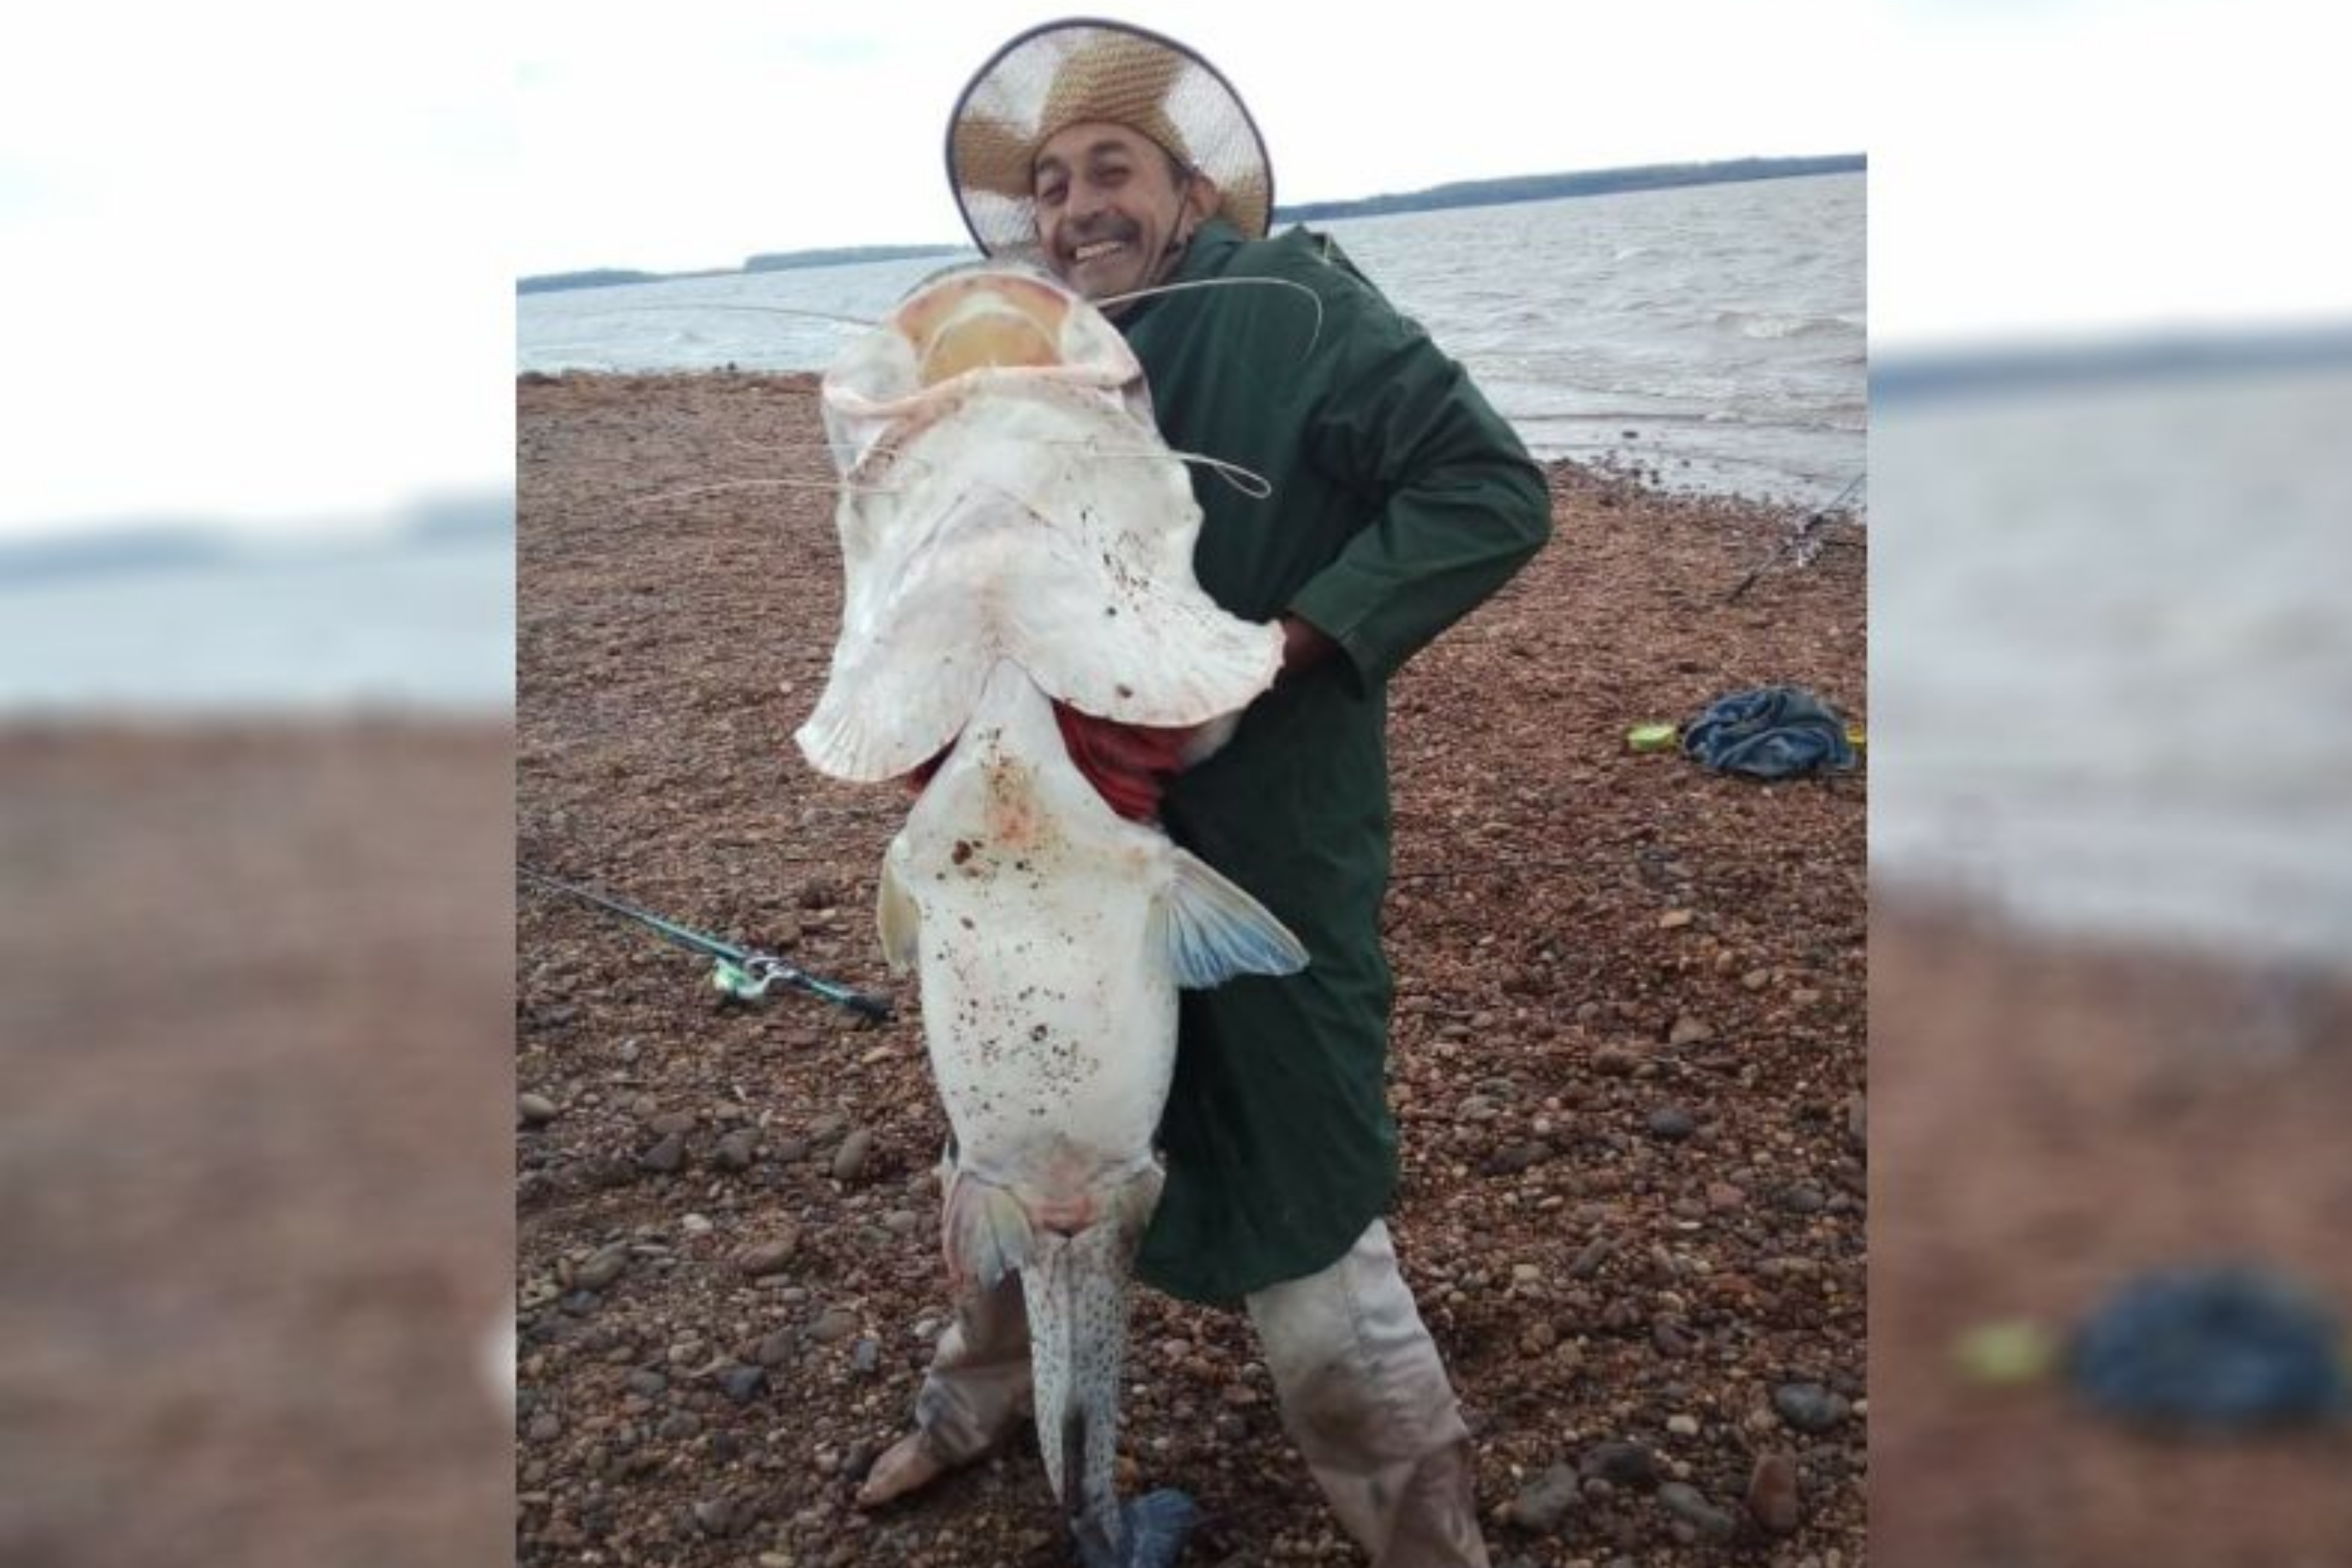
column 1086, row 199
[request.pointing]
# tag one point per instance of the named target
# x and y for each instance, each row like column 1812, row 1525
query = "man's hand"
column 1303, row 646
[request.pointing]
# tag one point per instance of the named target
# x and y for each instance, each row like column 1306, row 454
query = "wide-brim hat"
column 1083, row 69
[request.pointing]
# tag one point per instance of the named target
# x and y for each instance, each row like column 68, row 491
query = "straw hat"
column 1083, row 69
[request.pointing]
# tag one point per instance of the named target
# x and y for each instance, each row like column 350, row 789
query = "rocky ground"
column 254, row 1232
column 1628, row 1052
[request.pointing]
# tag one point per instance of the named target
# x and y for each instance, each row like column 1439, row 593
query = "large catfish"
column 1015, row 534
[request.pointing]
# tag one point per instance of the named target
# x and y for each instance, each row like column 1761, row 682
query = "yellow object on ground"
column 2009, row 1352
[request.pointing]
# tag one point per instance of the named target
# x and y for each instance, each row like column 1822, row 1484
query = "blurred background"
column 2111, row 852
column 255, row 688
column 255, row 679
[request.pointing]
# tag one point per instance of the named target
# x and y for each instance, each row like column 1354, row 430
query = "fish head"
column 990, row 323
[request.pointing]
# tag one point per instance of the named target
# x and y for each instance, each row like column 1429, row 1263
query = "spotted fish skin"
column 1015, row 534
column 1051, row 936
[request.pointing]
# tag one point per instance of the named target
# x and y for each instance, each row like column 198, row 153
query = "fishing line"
column 1258, row 486
column 830, row 486
column 1312, row 338
column 836, row 319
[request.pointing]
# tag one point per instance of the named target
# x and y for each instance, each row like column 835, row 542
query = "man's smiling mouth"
column 1093, row 248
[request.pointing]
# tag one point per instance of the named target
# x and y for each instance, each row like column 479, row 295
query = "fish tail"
column 1076, row 1287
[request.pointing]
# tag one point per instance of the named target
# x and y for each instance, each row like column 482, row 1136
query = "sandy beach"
column 1628, row 1054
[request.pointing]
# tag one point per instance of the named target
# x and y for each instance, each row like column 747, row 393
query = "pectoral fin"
column 985, row 1233
column 1213, row 930
column 899, row 918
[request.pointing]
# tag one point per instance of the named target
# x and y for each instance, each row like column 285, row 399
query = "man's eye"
column 1051, row 195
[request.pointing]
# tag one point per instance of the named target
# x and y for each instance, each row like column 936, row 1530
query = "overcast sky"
column 256, row 258
column 732, row 128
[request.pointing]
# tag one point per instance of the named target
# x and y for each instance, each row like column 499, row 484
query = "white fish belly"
column 1049, row 1005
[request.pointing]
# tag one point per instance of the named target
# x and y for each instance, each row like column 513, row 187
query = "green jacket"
column 1400, row 500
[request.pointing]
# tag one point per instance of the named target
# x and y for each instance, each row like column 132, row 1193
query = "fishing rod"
column 742, row 972
column 1796, row 537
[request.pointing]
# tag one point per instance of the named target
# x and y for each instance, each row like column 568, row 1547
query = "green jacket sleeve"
column 1461, row 506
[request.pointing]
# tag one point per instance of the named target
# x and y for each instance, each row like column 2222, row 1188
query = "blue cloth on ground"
column 2218, row 1347
column 1769, row 733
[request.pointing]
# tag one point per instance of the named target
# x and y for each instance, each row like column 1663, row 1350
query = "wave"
column 1772, row 325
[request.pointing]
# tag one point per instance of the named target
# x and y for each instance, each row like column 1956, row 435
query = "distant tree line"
column 1462, row 193
column 595, row 278
column 1597, row 183
column 844, row 255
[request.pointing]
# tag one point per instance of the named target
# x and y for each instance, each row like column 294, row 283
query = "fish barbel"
column 1015, row 534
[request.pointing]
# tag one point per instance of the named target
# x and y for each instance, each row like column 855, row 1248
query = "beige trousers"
column 1361, row 1389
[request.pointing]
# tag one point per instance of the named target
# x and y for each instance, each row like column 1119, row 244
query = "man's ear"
column 1201, row 198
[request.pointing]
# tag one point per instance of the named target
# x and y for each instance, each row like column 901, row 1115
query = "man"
column 1400, row 500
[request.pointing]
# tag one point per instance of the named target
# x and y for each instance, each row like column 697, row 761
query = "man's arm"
column 1462, row 507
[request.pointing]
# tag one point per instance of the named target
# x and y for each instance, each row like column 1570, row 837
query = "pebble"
column 714, row 1515
column 1810, row 1407
column 647, row 1381
column 1675, row 920
column 1687, row 1503
column 742, row 1384
column 849, row 1160
column 666, row 1156
column 1772, row 1499
column 545, row 1428
column 1620, row 1464
column 678, row 1426
column 770, row 1256
column 1755, row 979
column 1543, row 1504
column 1802, row 1197
column 736, row 1150
column 1673, row 1124
column 599, row 1272
column 1513, row 1158
column 1689, row 1030
column 536, row 1109
column 696, row 1225
column 1615, row 1061
column 1682, row 1426
column 775, row 1349
column 834, row 1323
column 866, row 1355
column 670, row 1123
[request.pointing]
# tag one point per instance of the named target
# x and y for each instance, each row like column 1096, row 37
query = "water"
column 2110, row 662
column 402, row 624
column 1721, row 325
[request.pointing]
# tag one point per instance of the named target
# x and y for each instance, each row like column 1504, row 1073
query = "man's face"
column 1110, row 210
